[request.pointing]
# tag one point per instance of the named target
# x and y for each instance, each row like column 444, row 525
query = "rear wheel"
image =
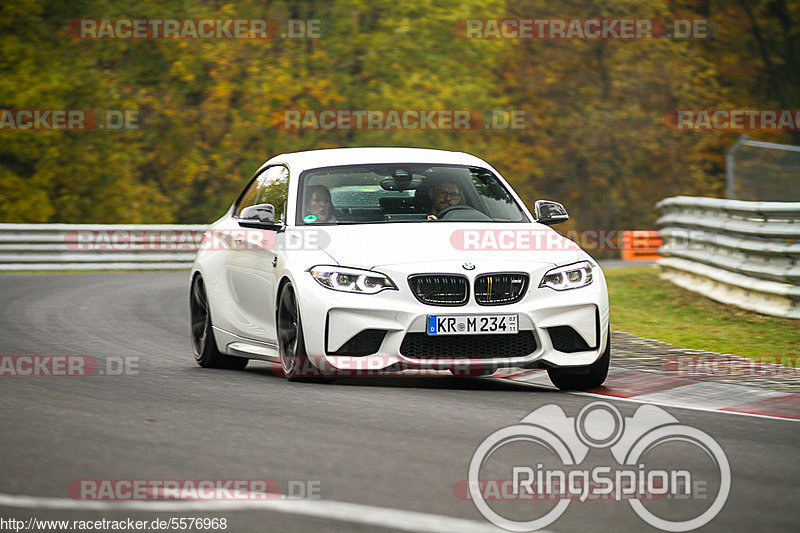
column 294, row 360
column 581, row 378
column 205, row 347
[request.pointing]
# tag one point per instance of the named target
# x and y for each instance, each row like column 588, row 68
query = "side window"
column 249, row 197
column 269, row 187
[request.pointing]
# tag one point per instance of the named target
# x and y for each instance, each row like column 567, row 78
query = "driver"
column 444, row 195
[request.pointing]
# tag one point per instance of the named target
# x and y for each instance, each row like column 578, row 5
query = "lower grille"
column 422, row 345
column 440, row 289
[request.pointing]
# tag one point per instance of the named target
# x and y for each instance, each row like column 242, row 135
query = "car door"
column 249, row 265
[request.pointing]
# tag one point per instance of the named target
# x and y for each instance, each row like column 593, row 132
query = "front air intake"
column 566, row 339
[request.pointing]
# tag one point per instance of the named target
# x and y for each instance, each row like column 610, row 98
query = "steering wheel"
column 472, row 214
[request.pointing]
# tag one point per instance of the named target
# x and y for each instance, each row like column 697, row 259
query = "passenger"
column 318, row 204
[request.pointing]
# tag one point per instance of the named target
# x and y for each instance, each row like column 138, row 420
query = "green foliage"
column 210, row 111
column 644, row 305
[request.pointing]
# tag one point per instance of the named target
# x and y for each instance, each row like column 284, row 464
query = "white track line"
column 636, row 399
column 354, row 513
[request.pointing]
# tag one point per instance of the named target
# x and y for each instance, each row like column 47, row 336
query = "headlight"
column 351, row 279
column 568, row 277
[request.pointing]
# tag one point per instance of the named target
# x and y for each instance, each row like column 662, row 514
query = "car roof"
column 300, row 161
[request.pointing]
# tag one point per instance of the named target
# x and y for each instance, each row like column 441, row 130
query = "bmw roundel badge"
column 468, row 266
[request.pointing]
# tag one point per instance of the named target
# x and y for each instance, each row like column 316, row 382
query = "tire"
column 294, row 361
column 205, row 347
column 582, row 378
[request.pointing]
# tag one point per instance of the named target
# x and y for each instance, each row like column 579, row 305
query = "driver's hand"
column 432, row 217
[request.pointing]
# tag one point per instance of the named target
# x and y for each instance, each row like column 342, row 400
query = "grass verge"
column 647, row 306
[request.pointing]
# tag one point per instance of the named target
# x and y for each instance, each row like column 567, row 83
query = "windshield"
column 371, row 194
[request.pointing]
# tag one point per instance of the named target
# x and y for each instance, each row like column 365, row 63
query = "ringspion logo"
column 556, row 446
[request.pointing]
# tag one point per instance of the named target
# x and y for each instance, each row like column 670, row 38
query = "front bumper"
column 331, row 319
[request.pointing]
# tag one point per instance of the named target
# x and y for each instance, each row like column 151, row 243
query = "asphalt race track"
column 377, row 454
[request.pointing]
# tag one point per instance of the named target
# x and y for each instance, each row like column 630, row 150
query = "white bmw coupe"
column 384, row 260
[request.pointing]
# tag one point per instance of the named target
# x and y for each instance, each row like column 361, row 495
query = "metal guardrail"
column 42, row 247
column 740, row 253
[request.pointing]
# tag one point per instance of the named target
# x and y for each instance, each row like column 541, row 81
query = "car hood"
column 376, row 245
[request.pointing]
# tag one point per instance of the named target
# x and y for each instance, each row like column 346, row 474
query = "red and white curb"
column 673, row 391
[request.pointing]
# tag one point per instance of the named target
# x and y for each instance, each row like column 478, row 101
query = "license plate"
column 471, row 324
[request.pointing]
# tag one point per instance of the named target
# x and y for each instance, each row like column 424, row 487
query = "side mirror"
column 549, row 213
column 264, row 213
column 260, row 216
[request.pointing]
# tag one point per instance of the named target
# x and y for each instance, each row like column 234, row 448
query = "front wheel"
column 205, row 347
column 582, row 378
column 294, row 360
